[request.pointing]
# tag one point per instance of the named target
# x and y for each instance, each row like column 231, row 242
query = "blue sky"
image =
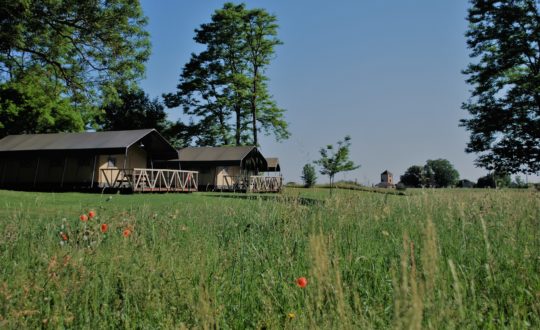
column 387, row 73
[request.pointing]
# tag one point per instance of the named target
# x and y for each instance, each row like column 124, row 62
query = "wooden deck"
column 151, row 180
column 252, row 183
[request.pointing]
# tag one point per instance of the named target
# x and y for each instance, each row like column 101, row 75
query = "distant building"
column 387, row 180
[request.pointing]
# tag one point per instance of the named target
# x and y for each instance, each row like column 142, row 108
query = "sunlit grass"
column 434, row 259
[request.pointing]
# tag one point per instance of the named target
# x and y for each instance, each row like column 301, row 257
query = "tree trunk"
column 238, row 110
column 222, row 128
column 254, row 104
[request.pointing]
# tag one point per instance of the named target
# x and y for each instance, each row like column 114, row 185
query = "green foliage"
column 439, row 258
column 224, row 87
column 494, row 180
column 505, row 100
column 437, row 173
column 309, row 177
column 336, row 160
column 413, row 176
column 440, row 173
column 32, row 104
column 134, row 110
column 85, row 50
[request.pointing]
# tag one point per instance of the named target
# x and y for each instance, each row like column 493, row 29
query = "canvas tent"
column 222, row 167
column 77, row 160
column 273, row 165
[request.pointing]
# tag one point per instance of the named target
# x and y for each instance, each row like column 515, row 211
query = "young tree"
column 309, row 176
column 226, row 81
column 505, row 101
column 336, row 160
column 84, row 50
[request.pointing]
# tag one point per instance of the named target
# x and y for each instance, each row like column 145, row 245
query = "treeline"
column 440, row 173
column 76, row 65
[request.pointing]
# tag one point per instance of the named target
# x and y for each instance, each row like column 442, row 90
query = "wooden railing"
column 261, row 183
column 150, row 180
column 252, row 183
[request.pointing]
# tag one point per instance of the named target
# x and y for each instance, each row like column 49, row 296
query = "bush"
column 401, row 187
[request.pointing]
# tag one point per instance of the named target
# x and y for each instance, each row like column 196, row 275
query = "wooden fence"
column 252, row 183
column 151, row 180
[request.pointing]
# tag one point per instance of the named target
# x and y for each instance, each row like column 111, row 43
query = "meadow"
column 436, row 259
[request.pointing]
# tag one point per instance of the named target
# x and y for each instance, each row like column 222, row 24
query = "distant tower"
column 387, row 180
column 387, row 177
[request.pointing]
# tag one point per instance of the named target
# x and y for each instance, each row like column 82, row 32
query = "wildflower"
column 126, row 232
column 83, row 217
column 63, row 236
column 91, row 214
column 291, row 316
column 301, row 282
column 104, row 227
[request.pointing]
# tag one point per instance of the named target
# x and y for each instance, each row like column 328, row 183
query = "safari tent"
column 75, row 161
column 229, row 168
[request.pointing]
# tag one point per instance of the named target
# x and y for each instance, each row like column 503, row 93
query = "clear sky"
column 385, row 72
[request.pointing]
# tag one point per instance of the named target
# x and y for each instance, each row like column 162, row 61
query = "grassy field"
column 430, row 259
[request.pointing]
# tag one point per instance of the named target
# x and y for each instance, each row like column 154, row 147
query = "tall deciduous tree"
column 225, row 85
column 440, row 173
column 336, row 159
column 32, row 103
column 504, row 37
column 86, row 49
column 413, row 176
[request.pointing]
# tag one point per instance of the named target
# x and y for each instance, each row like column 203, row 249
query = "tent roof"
column 209, row 154
column 73, row 141
column 273, row 164
column 110, row 141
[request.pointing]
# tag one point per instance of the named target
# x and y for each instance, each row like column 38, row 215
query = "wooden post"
column 93, row 172
column 4, row 165
column 63, row 172
column 37, row 171
column 125, row 157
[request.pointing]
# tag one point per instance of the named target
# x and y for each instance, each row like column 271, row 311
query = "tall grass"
column 431, row 259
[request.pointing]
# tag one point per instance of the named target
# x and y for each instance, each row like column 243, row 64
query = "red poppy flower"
column 63, row 236
column 301, row 282
column 83, row 217
column 126, row 232
column 91, row 214
column 104, row 227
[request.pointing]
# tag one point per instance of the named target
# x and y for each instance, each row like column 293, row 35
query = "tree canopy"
column 413, row 176
column 134, row 110
column 440, row 173
column 224, row 87
column 309, row 177
column 68, row 55
column 437, row 173
column 504, row 38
